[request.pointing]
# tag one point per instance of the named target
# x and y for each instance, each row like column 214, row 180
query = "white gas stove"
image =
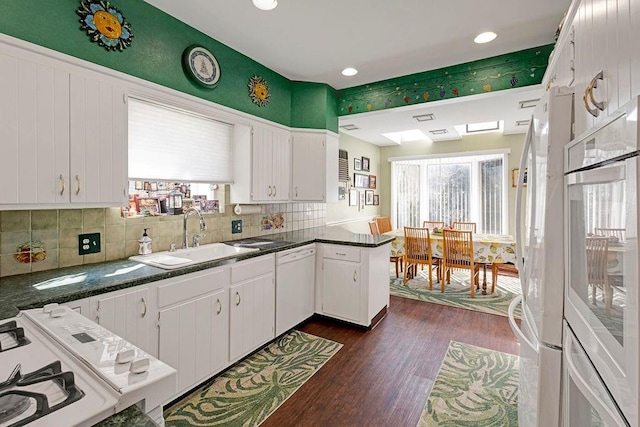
column 59, row 368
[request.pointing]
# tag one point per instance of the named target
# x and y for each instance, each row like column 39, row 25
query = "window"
column 468, row 188
column 170, row 144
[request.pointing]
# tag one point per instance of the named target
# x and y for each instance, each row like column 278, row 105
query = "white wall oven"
column 602, row 294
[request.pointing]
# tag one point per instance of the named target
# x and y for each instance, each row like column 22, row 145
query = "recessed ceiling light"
column 349, row 72
column 485, row 37
column 265, row 4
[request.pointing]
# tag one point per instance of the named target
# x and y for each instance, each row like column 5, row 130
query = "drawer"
column 346, row 253
column 184, row 288
column 253, row 268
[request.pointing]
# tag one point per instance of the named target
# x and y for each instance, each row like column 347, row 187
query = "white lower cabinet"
column 127, row 313
column 193, row 325
column 352, row 282
column 252, row 305
column 81, row 306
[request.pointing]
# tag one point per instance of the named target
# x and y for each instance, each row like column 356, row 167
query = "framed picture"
column 210, row 205
column 368, row 197
column 372, row 181
column 376, row 199
column 342, row 190
column 150, row 204
column 515, row 177
column 138, row 185
column 153, row 186
column 357, row 164
column 365, row 164
column 363, row 200
column 353, row 197
column 146, row 186
column 360, row 180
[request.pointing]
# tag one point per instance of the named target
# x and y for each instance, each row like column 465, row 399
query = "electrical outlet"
column 88, row 243
column 236, row 226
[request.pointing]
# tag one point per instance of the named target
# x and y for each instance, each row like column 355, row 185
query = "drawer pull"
column 341, row 253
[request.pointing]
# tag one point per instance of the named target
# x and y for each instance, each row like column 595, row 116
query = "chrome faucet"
column 203, row 226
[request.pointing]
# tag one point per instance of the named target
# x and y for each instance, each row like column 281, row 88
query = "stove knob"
column 139, row 366
column 48, row 307
column 125, row 356
column 58, row 312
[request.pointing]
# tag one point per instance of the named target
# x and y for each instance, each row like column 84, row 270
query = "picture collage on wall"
column 362, row 193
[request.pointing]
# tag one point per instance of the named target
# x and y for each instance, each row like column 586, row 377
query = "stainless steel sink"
column 184, row 257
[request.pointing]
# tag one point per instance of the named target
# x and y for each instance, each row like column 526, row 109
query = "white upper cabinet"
column 97, row 140
column 62, row 131
column 314, row 166
column 262, row 164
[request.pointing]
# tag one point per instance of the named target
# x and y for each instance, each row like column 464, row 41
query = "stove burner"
column 51, row 372
column 14, row 334
column 12, row 405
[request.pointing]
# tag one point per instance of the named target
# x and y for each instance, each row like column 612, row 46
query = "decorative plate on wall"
column 200, row 64
column 105, row 24
column 259, row 91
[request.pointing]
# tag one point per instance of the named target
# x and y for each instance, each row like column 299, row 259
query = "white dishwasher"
column 295, row 286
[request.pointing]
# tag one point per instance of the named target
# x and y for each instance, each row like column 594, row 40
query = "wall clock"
column 201, row 66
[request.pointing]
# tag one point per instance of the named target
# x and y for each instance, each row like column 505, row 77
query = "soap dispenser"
column 144, row 247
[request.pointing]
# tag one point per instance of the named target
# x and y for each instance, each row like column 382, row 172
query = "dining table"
column 487, row 249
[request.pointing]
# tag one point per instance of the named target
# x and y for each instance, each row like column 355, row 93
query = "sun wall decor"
column 105, row 24
column 259, row 91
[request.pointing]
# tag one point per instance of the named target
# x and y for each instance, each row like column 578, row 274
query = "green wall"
column 313, row 106
column 155, row 54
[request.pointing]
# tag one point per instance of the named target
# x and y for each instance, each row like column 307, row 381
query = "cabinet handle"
column 296, row 191
column 594, row 84
column 62, row 185
column 238, row 299
column 77, row 185
column 593, row 111
column 355, row 276
column 275, row 190
column 269, row 191
column 219, row 310
column 144, row 305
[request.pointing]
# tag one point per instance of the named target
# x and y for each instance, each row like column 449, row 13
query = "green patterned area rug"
column 458, row 293
column 246, row 394
column 475, row 387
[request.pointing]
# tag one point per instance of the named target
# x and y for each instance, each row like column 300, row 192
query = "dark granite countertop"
column 72, row 283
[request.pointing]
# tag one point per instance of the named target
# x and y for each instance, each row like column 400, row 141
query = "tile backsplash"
column 36, row 240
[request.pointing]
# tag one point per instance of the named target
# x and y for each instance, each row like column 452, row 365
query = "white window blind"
column 170, row 144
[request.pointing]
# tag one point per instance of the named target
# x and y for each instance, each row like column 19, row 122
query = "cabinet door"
column 261, row 155
column 82, row 306
column 193, row 338
column 281, row 165
column 126, row 314
column 252, row 313
column 97, row 140
column 34, row 129
column 341, row 289
column 308, row 167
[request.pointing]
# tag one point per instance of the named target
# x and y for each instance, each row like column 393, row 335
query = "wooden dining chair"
column 597, row 276
column 398, row 259
column 618, row 233
column 501, row 268
column 465, row 226
column 384, row 224
column 458, row 254
column 417, row 252
column 433, row 224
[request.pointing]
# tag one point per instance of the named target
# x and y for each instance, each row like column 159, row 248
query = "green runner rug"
column 458, row 293
column 475, row 387
column 247, row 393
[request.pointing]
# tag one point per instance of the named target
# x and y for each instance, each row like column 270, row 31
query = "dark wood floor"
column 382, row 377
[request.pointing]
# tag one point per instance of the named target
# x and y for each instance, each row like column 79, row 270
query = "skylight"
column 406, row 136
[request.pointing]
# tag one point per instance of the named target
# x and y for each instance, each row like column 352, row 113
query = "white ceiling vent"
column 522, row 122
column 530, row 103
column 438, row 132
column 425, row 117
column 349, row 127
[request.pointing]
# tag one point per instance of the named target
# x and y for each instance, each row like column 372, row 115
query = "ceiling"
column 314, row 40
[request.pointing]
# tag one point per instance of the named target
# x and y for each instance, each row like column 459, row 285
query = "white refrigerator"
column 540, row 246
